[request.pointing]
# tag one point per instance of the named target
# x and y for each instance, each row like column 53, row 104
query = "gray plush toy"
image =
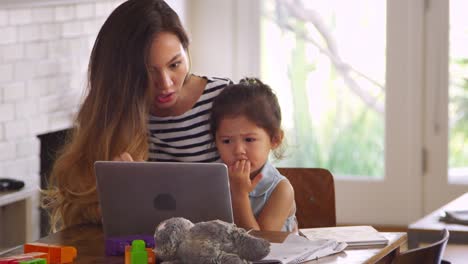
column 178, row 240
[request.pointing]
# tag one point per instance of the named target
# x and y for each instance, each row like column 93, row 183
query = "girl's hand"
column 239, row 177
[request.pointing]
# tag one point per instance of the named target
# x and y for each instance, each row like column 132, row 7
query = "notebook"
column 354, row 236
column 298, row 249
column 455, row 217
column 136, row 196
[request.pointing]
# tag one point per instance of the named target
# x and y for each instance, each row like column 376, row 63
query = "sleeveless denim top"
column 262, row 192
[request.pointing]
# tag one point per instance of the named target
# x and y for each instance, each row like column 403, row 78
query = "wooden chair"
column 431, row 254
column 314, row 192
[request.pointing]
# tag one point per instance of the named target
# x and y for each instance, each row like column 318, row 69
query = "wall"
column 225, row 42
column 44, row 51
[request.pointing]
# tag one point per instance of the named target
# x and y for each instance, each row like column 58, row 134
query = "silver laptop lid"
column 136, row 196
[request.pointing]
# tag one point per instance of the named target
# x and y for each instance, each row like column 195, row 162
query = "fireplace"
column 50, row 144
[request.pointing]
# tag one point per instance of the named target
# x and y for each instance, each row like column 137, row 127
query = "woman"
column 142, row 104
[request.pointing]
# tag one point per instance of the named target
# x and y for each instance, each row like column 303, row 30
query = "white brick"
column 20, row 16
column 25, row 70
column 7, row 112
column 16, row 129
column 27, row 108
column 34, row 165
column 9, row 35
column 2, row 172
column 85, row 11
column 38, row 125
column 91, row 27
column 7, row 151
column 2, row 136
column 6, row 72
column 80, row 47
column 11, row 52
column 28, row 147
column 36, row 50
column 103, row 8
column 61, row 120
column 72, row 29
column 64, row 13
column 13, row 92
column 17, row 168
column 50, row 104
column 79, row 83
column 47, row 68
column 58, row 84
column 51, row 31
column 37, row 87
column 3, row 18
column 60, row 48
column 65, row 66
column 43, row 14
column 29, row 33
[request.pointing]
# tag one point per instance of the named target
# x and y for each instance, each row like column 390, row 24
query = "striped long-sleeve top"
column 187, row 137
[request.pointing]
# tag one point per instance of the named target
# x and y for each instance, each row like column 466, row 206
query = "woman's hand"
column 123, row 157
column 239, row 177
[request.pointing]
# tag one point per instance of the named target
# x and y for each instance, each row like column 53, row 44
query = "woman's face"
column 168, row 67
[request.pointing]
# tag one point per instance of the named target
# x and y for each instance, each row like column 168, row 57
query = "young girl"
column 246, row 126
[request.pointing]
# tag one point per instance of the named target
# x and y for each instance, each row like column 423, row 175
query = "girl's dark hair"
column 254, row 100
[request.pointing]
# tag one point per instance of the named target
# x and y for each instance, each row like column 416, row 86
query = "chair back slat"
column 431, row 254
column 314, row 192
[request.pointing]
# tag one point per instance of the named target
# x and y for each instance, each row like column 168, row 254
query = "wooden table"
column 89, row 241
column 428, row 229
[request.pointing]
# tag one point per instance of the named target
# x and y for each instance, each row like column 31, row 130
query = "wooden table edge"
column 402, row 238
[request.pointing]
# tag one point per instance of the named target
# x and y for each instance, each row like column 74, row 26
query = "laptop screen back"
column 136, row 196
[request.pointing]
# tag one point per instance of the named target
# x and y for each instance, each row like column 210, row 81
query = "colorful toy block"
column 115, row 246
column 34, row 261
column 151, row 259
column 57, row 254
column 138, row 254
column 23, row 257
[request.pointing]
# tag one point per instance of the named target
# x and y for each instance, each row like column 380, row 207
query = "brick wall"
column 44, row 52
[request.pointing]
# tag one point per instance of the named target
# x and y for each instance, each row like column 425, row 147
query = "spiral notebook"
column 354, row 236
column 298, row 249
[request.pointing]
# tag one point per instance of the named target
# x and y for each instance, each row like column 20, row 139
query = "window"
column 326, row 60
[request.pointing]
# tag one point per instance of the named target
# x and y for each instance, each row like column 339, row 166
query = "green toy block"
column 138, row 254
column 34, row 261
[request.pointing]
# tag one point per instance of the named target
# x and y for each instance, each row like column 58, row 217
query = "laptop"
column 136, row 196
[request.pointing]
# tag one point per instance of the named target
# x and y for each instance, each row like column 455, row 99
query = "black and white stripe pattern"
column 187, row 137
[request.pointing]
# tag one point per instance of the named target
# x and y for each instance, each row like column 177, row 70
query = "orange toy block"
column 151, row 255
column 57, row 254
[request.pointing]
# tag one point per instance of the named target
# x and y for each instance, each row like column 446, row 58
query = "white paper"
column 298, row 249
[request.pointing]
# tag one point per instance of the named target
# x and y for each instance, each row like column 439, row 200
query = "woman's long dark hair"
column 113, row 117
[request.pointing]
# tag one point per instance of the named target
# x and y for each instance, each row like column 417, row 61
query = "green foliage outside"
column 348, row 142
column 458, row 109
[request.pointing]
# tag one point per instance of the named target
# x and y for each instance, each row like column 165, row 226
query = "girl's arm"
column 278, row 208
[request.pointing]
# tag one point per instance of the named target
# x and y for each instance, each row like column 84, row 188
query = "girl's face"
column 238, row 138
column 168, row 67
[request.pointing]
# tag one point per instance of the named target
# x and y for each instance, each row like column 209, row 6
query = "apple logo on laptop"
column 164, row 202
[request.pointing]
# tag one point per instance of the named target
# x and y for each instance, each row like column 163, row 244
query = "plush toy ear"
column 161, row 226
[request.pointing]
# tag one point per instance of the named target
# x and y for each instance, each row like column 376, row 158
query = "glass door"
column 446, row 106
column 340, row 69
